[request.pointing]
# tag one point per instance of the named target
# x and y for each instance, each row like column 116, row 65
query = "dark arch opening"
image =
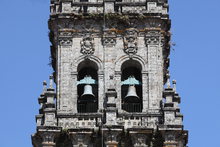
column 87, row 101
column 131, row 103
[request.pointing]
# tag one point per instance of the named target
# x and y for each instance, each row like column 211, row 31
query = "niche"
column 131, row 86
column 87, row 87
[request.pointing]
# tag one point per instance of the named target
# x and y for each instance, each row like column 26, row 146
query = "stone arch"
column 123, row 59
column 92, row 58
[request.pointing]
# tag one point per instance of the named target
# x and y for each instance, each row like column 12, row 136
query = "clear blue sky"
column 195, row 64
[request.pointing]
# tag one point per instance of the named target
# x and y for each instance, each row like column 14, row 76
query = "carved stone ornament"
column 87, row 45
column 65, row 38
column 152, row 38
column 65, row 42
column 130, row 41
column 48, row 137
column 109, row 38
column 109, row 41
column 80, row 140
column 65, row 34
column 139, row 140
column 169, row 137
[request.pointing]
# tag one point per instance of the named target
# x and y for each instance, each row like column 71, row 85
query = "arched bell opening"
column 87, row 87
column 131, row 86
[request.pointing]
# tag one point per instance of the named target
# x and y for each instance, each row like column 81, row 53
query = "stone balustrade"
column 79, row 122
column 142, row 121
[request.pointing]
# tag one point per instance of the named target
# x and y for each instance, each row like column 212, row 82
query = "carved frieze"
column 65, row 34
column 65, row 42
column 139, row 140
column 152, row 38
column 109, row 38
column 65, row 38
column 87, row 45
column 130, row 41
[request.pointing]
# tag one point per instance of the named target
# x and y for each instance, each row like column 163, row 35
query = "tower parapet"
column 109, row 6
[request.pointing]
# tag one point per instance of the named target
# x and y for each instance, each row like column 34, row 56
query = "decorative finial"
column 168, row 80
column 51, row 81
column 174, row 85
column 44, row 86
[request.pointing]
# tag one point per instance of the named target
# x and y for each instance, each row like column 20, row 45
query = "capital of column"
column 111, row 144
column 170, row 144
column 48, row 144
column 112, row 136
column 48, row 139
column 79, row 138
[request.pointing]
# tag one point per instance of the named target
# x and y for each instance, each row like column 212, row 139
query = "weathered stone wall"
column 110, row 36
column 150, row 56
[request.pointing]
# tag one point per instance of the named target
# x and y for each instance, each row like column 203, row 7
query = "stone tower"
column 110, row 61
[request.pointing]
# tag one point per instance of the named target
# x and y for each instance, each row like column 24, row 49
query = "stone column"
column 111, row 111
column 64, row 70
column 74, row 93
column 145, row 92
column 101, row 90
column 118, row 90
column 155, row 68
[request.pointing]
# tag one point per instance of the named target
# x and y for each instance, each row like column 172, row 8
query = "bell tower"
column 110, row 60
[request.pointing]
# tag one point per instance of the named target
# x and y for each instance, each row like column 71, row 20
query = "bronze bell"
column 87, row 94
column 132, row 94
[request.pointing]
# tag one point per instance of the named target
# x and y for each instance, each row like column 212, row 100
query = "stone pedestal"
column 111, row 109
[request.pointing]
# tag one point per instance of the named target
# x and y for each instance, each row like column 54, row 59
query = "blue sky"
column 24, row 59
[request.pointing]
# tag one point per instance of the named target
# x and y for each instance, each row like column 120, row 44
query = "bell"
column 132, row 95
column 87, row 94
